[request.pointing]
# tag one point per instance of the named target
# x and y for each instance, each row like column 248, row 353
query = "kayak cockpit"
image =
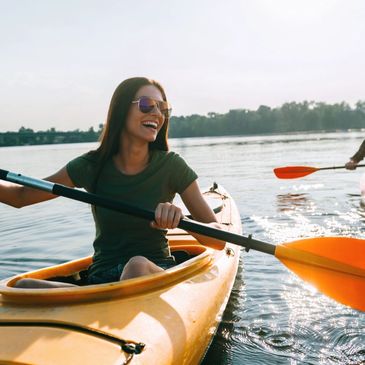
column 200, row 258
column 79, row 276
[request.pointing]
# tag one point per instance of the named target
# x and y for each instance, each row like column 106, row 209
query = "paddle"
column 293, row 172
column 335, row 265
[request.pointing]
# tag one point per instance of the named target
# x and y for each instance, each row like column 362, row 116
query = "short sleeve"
column 359, row 155
column 182, row 174
column 82, row 171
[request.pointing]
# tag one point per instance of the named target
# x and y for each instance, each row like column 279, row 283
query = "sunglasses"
column 146, row 105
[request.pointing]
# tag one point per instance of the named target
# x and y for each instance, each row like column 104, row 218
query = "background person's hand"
column 351, row 165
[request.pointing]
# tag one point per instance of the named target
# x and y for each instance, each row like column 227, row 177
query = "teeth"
column 150, row 124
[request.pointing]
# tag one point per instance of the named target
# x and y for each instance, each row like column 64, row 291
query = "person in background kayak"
column 356, row 158
column 133, row 164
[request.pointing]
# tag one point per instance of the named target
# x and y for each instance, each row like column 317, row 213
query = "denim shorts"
column 113, row 274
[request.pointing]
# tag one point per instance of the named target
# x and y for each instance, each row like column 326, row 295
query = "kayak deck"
column 164, row 318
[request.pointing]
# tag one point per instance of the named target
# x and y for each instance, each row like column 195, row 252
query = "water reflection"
column 357, row 202
column 362, row 207
column 289, row 201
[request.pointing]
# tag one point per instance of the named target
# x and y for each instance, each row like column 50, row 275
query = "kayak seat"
column 181, row 256
column 184, row 252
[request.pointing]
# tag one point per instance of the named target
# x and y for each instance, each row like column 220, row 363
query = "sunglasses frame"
column 166, row 112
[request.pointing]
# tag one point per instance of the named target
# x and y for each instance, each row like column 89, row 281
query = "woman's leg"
column 139, row 266
column 40, row 284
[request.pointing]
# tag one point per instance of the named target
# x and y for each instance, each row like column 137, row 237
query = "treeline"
column 27, row 136
column 290, row 117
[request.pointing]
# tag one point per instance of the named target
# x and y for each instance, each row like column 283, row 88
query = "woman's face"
column 144, row 126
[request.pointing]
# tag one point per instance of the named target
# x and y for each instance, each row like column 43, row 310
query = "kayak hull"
column 164, row 318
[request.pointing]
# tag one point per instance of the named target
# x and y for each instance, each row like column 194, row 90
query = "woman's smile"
column 150, row 124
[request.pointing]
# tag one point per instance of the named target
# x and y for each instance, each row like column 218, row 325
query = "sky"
column 62, row 60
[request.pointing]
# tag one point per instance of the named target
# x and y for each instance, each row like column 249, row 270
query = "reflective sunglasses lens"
column 165, row 109
column 146, row 105
column 166, row 112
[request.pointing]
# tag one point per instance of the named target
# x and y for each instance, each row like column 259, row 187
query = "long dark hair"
column 119, row 107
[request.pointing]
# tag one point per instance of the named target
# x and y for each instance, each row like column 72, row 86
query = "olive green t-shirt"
column 120, row 236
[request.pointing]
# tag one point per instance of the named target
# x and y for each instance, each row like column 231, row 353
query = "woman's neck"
column 131, row 160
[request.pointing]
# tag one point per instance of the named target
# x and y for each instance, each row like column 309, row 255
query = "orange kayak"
column 164, row 318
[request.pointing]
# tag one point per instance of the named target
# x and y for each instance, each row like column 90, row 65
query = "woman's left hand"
column 167, row 216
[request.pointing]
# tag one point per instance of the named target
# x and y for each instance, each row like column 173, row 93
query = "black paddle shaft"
column 337, row 167
column 94, row 199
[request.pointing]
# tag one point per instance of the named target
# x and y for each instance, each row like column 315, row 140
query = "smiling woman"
column 131, row 164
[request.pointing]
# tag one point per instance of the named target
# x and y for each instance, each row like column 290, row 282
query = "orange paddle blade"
column 293, row 172
column 334, row 265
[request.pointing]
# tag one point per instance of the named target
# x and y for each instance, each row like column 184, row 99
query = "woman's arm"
column 167, row 215
column 201, row 211
column 19, row 196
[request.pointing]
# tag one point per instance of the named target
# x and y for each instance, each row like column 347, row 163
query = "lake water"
column 272, row 316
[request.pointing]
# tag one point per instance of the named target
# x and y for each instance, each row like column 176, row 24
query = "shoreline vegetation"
column 289, row 118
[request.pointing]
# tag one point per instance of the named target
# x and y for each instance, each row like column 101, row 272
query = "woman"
column 132, row 164
column 356, row 158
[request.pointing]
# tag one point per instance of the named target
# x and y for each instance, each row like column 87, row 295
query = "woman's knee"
column 138, row 266
column 138, row 260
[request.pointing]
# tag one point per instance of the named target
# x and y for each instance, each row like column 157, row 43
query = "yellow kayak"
column 164, row 318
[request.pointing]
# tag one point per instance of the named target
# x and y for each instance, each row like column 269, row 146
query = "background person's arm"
column 356, row 158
